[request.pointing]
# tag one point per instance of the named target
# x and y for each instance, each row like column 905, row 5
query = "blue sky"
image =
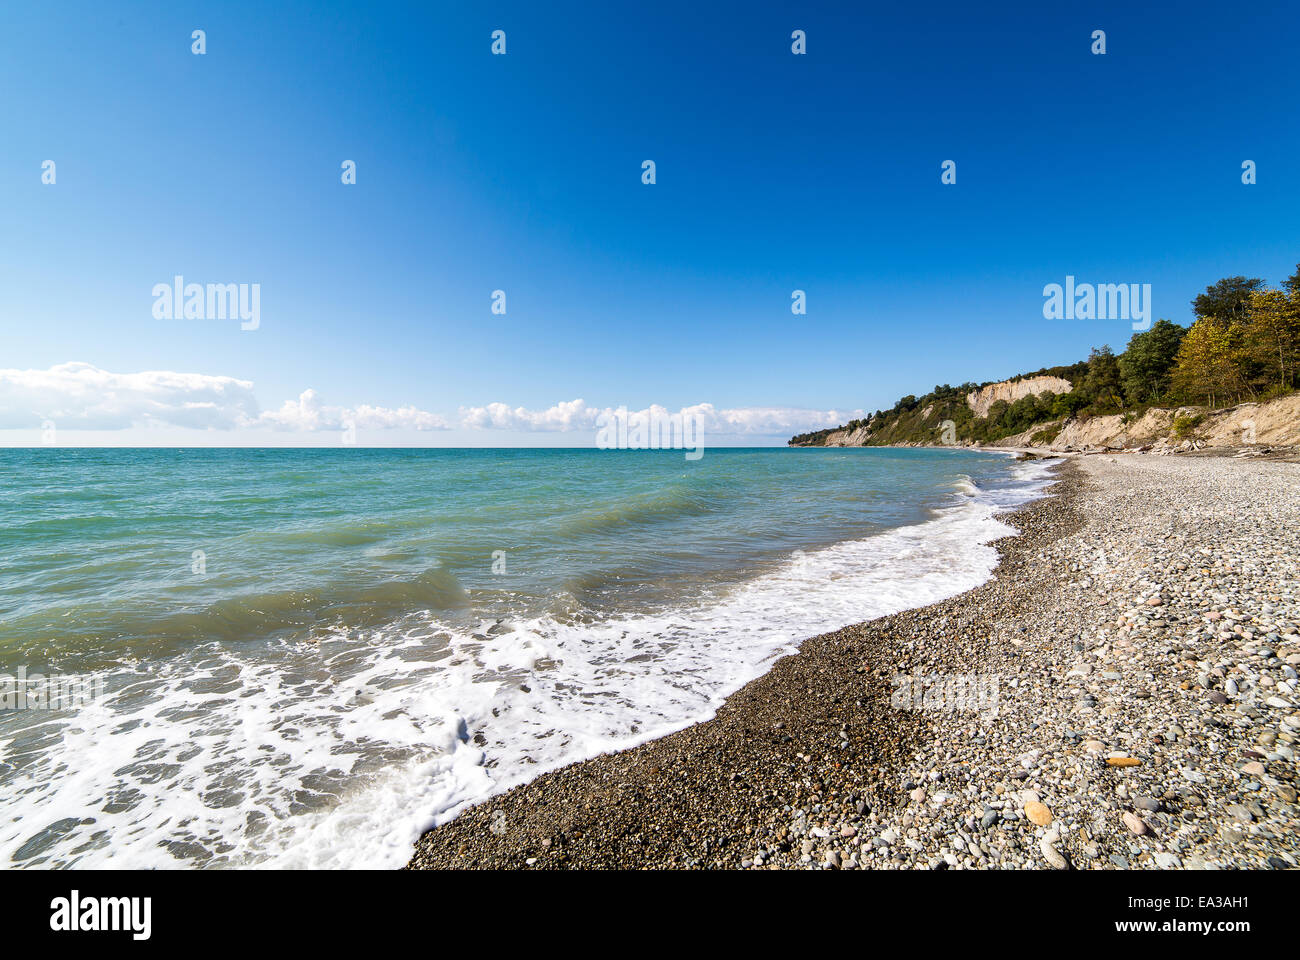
column 522, row 172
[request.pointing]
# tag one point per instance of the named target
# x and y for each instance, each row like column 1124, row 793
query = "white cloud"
column 80, row 396
column 566, row 416
column 307, row 413
column 578, row 415
column 768, row 421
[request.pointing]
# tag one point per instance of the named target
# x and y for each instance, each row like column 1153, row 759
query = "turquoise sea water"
column 310, row 655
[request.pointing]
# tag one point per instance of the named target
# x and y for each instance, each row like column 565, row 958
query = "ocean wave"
column 244, row 618
column 651, row 507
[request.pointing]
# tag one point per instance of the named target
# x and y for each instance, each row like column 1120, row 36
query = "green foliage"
column 1185, row 425
column 1102, row 383
column 1145, row 366
column 1069, row 404
column 1227, row 300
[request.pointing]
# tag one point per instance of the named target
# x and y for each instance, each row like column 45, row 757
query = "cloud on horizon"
column 81, row 396
column 308, row 414
column 578, row 415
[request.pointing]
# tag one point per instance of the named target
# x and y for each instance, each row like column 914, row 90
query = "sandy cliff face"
column 1275, row 422
column 980, row 400
column 1112, row 431
column 848, row 438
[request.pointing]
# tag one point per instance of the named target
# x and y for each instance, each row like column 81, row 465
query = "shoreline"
column 1108, row 687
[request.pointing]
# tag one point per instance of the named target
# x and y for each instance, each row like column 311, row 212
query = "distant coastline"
column 1228, row 380
column 1268, row 429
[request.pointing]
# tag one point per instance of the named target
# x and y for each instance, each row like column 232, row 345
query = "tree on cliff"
column 1206, row 368
column 1102, row 383
column 1273, row 339
column 1228, row 300
column 1146, row 364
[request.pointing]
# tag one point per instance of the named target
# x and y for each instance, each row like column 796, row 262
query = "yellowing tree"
column 1273, row 340
column 1206, row 366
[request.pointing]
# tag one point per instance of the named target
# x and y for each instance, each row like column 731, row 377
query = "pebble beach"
column 1121, row 695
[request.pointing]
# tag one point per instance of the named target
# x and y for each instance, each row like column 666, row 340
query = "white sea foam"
column 340, row 754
